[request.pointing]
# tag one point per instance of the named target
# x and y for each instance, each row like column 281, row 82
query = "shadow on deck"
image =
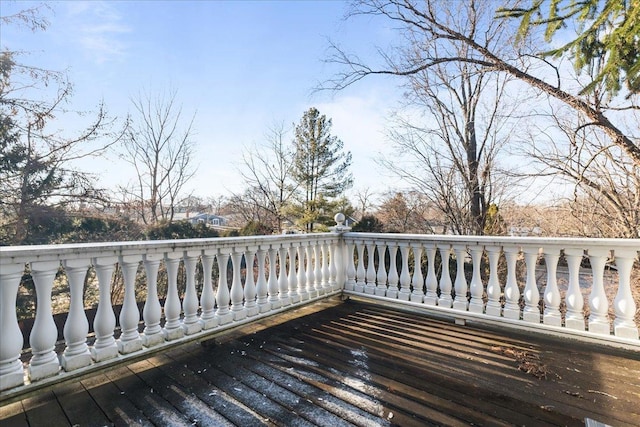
column 352, row 363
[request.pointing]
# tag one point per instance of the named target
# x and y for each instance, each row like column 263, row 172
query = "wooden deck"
column 352, row 364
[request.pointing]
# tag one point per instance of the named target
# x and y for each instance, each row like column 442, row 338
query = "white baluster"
column 152, row 311
column 624, row 306
column 76, row 354
column 292, row 278
column 274, row 298
column 44, row 362
column 208, row 317
column 311, row 277
column 476, row 305
column 531, row 312
column 461, row 301
column 574, row 317
column 370, row 287
column 129, row 340
column 334, row 262
column 431, row 283
column 11, row 371
column 494, row 307
column 318, row 269
column 417, row 281
column 172, row 327
column 511, row 291
column 392, row 289
column 283, row 283
column 262, row 288
column 552, row 298
column 381, row 277
column 223, row 314
column 250, row 291
column 598, row 303
column 350, row 284
column 326, row 274
column 445, row 299
column 237, row 293
column 191, row 323
column 405, row 278
column 360, row 272
column 104, row 323
column 302, row 273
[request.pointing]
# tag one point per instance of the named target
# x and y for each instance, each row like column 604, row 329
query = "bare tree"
column 267, row 171
column 161, row 149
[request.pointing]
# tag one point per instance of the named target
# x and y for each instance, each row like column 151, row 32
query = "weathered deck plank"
column 353, row 364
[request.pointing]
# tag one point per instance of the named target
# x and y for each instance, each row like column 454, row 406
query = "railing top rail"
column 14, row 254
column 559, row 242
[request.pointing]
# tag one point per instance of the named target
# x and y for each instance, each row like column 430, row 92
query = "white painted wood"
column 208, row 317
column 370, row 287
column 292, row 277
column 129, row 340
column 511, row 292
column 191, row 322
column 405, row 278
column 283, row 283
column 317, row 250
column 223, row 298
column 302, row 272
column 262, row 288
column 152, row 311
column 237, row 293
column 274, row 297
column 172, row 308
column 326, row 274
column 250, row 291
column 311, row 276
column 76, row 353
column 360, row 272
column 334, row 262
column 11, row 371
column 351, row 269
column 461, row 302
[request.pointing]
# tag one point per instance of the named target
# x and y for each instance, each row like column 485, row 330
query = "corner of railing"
column 340, row 260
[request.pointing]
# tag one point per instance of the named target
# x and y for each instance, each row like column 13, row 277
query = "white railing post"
column 237, row 293
column 381, row 287
column 11, row 371
column 208, row 317
column 129, row 340
column 624, row 306
column 250, row 291
column 350, row 284
column 370, row 287
column 574, row 317
column 598, row 303
column 292, row 277
column 223, row 314
column 172, row 327
column 274, row 299
column 44, row 362
column 283, row 283
column 431, row 283
column 460, row 302
column 104, row 323
column 76, row 353
column 302, row 272
column 494, row 291
column 262, row 288
column 360, row 272
column 445, row 299
column 511, row 291
column 191, row 323
column 152, row 311
column 476, row 305
column 417, row 281
column 531, row 312
column 311, row 276
column 393, row 277
column 405, row 278
column 552, row 297
column 326, row 273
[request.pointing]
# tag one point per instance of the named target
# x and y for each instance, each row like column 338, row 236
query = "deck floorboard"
column 352, row 364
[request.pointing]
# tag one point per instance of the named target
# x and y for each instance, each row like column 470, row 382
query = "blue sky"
column 240, row 66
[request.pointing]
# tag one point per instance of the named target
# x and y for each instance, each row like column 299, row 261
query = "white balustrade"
column 301, row 268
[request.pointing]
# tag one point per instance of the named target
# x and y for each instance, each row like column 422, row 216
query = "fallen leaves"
column 527, row 362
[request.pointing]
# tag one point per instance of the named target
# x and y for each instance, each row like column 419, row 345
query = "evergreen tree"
column 321, row 168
